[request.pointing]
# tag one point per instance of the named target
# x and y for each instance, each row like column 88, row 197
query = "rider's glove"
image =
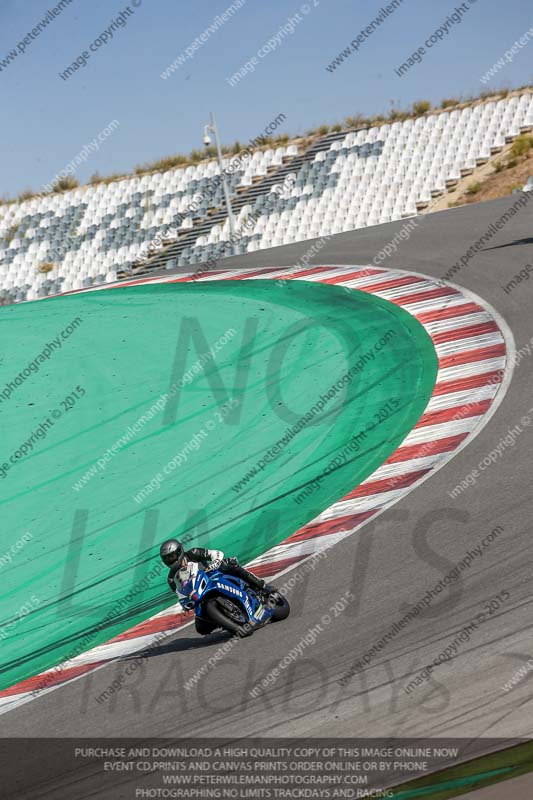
column 215, row 564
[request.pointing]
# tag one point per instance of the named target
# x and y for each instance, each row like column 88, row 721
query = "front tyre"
column 229, row 615
column 204, row 627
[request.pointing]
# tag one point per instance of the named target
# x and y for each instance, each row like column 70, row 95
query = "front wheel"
column 228, row 615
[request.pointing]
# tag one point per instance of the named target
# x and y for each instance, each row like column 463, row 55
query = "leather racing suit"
column 180, row 574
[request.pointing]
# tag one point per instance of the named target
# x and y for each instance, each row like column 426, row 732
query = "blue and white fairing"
column 204, row 585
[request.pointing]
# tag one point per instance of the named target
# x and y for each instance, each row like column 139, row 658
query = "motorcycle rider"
column 184, row 566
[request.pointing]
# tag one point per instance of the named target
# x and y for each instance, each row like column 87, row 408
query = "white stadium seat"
column 345, row 181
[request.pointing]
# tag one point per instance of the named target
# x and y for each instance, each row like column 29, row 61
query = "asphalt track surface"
column 390, row 564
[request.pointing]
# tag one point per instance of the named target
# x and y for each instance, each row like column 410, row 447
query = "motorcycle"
column 231, row 604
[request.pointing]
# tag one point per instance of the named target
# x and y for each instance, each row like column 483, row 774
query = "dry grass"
column 500, row 184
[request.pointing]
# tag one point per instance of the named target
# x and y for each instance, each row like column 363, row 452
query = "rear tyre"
column 282, row 608
column 228, row 615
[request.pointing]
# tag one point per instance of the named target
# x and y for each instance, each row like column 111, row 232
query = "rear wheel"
column 282, row 608
column 229, row 615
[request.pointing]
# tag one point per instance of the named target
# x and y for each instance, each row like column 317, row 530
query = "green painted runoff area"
column 227, row 413
column 497, row 767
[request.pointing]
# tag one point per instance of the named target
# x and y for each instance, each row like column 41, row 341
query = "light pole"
column 207, row 141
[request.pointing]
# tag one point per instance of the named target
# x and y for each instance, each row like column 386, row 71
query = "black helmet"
column 171, row 552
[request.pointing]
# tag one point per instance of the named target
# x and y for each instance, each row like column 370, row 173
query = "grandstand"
column 176, row 218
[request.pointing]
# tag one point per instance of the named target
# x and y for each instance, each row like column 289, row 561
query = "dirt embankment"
column 492, row 183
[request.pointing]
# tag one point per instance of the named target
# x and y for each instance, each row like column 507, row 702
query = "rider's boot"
column 252, row 580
